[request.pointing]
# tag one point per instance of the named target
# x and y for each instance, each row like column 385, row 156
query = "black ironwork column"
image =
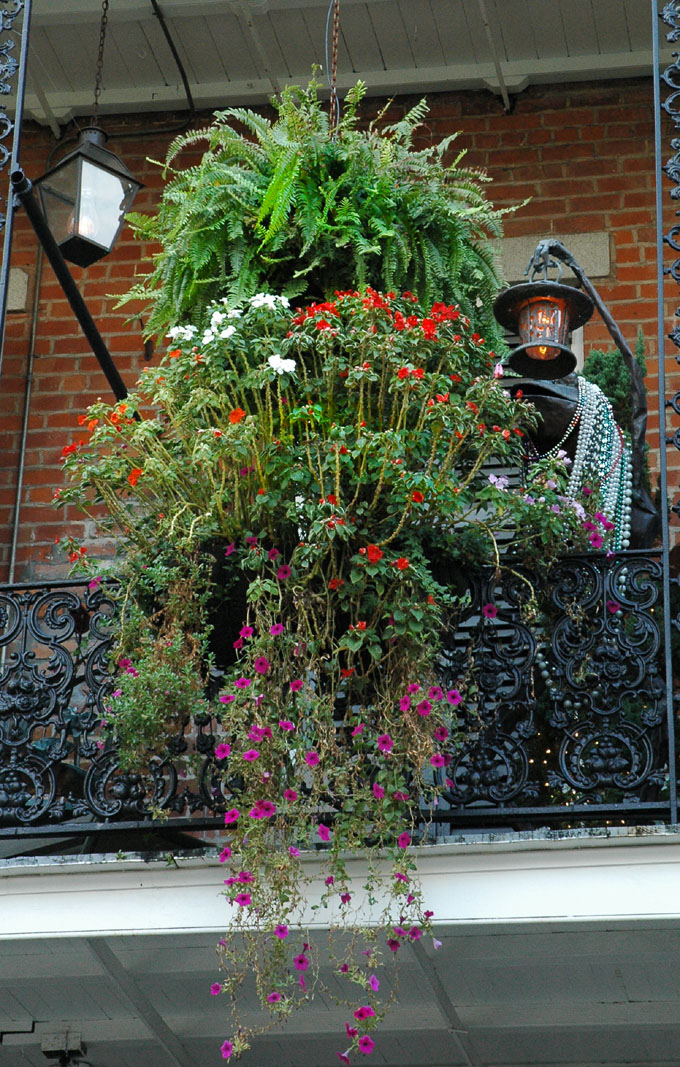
column 8, row 68
column 670, row 15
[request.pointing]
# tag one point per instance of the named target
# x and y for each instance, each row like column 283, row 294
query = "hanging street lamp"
column 85, row 198
column 543, row 313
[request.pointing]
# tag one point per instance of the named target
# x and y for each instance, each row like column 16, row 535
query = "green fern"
column 294, row 207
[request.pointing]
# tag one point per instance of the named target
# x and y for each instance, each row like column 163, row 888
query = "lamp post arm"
column 638, row 427
column 23, row 190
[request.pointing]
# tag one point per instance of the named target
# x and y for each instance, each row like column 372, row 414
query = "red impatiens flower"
column 417, row 497
column 236, row 414
column 133, row 476
column 373, row 553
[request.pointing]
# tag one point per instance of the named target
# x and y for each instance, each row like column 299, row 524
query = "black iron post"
column 23, row 190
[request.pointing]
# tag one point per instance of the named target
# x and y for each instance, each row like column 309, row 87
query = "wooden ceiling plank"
column 547, row 28
column 454, row 35
column 579, row 28
column 512, row 28
column 203, row 61
column 611, row 26
column 393, row 39
column 315, row 19
column 300, row 53
column 422, row 32
column 236, row 47
column 359, row 36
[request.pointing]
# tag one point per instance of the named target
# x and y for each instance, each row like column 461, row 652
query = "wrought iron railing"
column 564, row 720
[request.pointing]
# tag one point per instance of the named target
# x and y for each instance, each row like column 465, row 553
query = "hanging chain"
column 334, row 109
column 100, row 61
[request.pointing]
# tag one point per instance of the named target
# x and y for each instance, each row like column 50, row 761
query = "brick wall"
column 583, row 154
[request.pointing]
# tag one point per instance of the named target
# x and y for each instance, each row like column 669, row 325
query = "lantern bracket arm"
column 541, row 261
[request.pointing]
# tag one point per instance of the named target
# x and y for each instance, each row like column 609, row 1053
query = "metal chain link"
column 334, row 109
column 100, row 60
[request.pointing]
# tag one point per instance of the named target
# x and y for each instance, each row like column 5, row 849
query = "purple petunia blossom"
column 281, row 931
column 323, row 832
column 276, row 629
column 227, row 1050
column 289, row 794
column 225, row 854
column 424, row 708
column 453, row 697
column 222, row 751
column 286, row 724
column 273, row 554
column 296, row 685
column 312, row 758
column 229, row 549
column 613, row 606
column 261, row 664
column 242, row 683
column 437, row 760
column 374, row 983
column 273, row 998
column 301, row 963
column 385, row 743
column 404, row 703
column 364, row 1011
column 378, row 791
column 489, row 611
column 215, row 989
column 251, row 754
column 227, row 698
column 231, row 816
column 404, row 839
column 413, row 687
column 293, row 850
column 244, row 900
column 283, row 572
column 246, row 631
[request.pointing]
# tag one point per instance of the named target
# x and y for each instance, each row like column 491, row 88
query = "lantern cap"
column 507, row 304
column 91, row 146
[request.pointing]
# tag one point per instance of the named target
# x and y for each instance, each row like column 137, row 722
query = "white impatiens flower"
column 181, row 333
column 269, row 300
column 227, row 332
column 280, row 365
column 208, row 336
column 216, row 319
column 235, row 313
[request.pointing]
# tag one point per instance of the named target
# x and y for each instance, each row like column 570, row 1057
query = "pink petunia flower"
column 404, row 703
column 413, row 687
column 281, row 931
column 244, row 900
column 276, row 629
column 435, row 692
column 364, row 1011
column 437, row 760
column 289, row 794
column 242, row 683
column 215, row 989
column 453, row 697
column 222, row 751
column 231, row 816
column 323, row 832
column 378, row 791
column 385, row 743
column 424, row 707
column 225, row 854
column 312, row 758
column 227, row 1050
column 246, row 631
column 359, row 729
column 440, row 733
column 251, row 754
column 273, row 998
column 273, row 554
column 261, row 665
column 301, row 963
column 227, row 698
column 283, row 572
column 296, row 685
column 613, row 606
column 489, row 611
column 374, row 983
column 404, row 839
column 286, row 724
column 293, row 850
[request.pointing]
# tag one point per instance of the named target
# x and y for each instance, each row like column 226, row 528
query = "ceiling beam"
column 140, row 1004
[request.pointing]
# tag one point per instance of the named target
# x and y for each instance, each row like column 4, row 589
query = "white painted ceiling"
column 242, row 51
column 506, row 996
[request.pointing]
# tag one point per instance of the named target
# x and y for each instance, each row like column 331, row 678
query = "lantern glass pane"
column 58, row 195
column 103, row 199
column 543, row 320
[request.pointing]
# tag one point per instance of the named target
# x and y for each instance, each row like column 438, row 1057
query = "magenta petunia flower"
column 286, row 724
column 489, row 611
column 613, row 606
column 385, row 743
column 453, row 697
column 366, row 1045
column 227, row 698
column 246, row 631
column 330, row 880
column 289, row 794
column 413, row 687
column 296, row 685
column 215, row 989
column 281, row 931
column 440, row 733
column 251, row 754
column 401, row 877
column 276, row 629
column 596, row 540
column 437, row 760
column 364, row 1011
column 267, row 808
column 359, row 729
column 227, row 1050
column 301, row 963
column 343, row 1057
column 312, row 758
column 345, row 898
column 424, row 708
column 404, row 703
column 323, row 832
column 378, row 791
column 435, row 692
column 222, row 751
column 273, row 998
column 404, row 839
column 244, row 900
column 261, row 664
column 251, row 541
column 242, row 683
column 374, row 983
column 273, row 554
column 415, row 933
column 225, row 854
column 231, row 816
column 245, row 877
column 238, row 643
column 293, row 850
column 229, row 549
column 283, row 572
